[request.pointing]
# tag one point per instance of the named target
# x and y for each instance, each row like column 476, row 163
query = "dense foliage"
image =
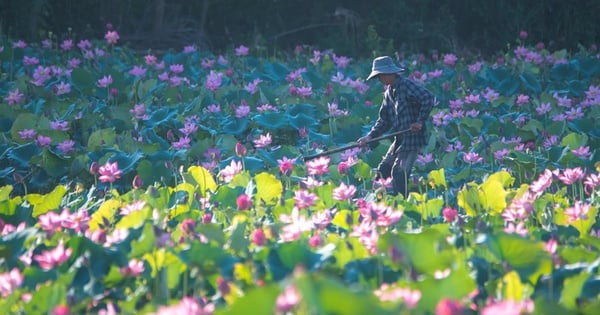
column 354, row 28
column 137, row 183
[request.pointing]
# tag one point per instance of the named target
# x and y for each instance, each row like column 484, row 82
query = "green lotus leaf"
column 268, row 189
column 50, row 201
column 528, row 258
column 106, row 212
column 103, row 138
column 202, row 178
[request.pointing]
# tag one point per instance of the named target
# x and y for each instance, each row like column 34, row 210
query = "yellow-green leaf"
column 512, row 288
column 341, row 219
column 430, row 208
column 134, row 219
column 106, row 212
column 5, row 192
column 528, row 258
column 493, row 195
column 437, row 178
column 44, row 203
column 468, row 199
column 201, row 177
column 268, row 189
column 503, row 177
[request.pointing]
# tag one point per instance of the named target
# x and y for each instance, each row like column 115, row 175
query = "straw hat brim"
column 384, row 70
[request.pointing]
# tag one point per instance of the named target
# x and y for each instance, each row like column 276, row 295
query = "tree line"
column 355, row 28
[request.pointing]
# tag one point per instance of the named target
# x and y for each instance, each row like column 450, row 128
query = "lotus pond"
column 174, row 182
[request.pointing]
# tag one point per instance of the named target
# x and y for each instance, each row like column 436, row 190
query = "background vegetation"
column 355, row 28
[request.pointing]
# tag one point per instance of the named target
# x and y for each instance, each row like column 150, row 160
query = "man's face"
column 386, row 78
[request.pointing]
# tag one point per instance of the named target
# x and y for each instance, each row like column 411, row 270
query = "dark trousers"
column 397, row 164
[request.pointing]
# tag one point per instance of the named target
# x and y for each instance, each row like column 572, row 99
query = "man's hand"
column 363, row 140
column 414, row 127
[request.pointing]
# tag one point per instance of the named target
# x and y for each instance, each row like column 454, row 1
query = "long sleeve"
column 384, row 121
column 423, row 97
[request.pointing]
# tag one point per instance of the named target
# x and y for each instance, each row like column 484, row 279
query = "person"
column 406, row 105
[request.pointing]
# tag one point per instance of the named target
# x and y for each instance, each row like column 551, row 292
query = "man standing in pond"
column 406, row 106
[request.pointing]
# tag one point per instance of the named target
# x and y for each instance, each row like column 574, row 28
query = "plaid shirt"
column 403, row 104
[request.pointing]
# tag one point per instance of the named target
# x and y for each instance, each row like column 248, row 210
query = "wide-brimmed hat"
column 383, row 64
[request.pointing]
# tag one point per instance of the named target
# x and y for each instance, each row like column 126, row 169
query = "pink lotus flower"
column 67, row 44
column 344, row 192
column 450, row 59
column 522, row 99
column 343, row 168
column 84, row 44
column 105, row 81
column 518, row 228
column 134, row 268
column 52, row 222
column 571, row 175
column 391, row 293
column 295, row 75
column 244, row 202
column 523, row 34
column 288, row 299
column 582, row 152
column 472, row 158
column 341, row 62
column 263, row 141
column 243, row 110
column 30, row 61
column 139, row 111
column 241, row 51
column 132, row 207
column 579, row 211
column 252, row 87
column 26, row 134
column 334, row 111
column 259, row 238
column 507, row 307
column 19, row 44
column 383, row 183
column 231, row 170
column 214, row 80
column 187, row 306
column 318, row 166
column 449, row 307
column 542, row 183
column 286, row 165
column 43, row 141
column 10, row 281
column 59, row 125
column 109, row 172
column 304, row 91
column 240, row 149
column 591, row 182
column 138, row 71
column 450, row 214
column 111, row 37
column 296, row 224
column 150, row 60
column 14, row 97
column 182, row 143
column 304, row 199
column 78, row 221
column 50, row 259
column 213, row 108
column 424, row 159
column 207, row 63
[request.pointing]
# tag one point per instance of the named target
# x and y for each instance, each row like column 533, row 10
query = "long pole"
column 354, row 145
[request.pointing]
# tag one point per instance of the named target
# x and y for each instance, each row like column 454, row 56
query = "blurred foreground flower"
column 50, row 259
